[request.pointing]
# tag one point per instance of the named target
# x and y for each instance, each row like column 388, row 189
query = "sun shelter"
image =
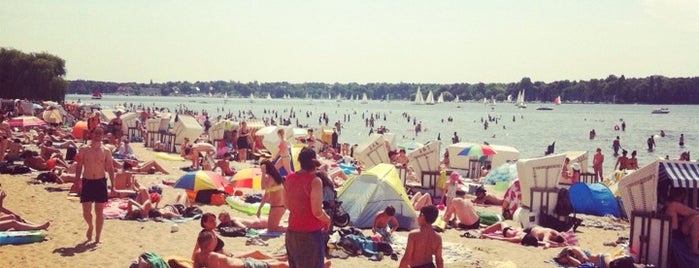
column 425, row 163
column 219, row 129
column 52, row 116
column 372, row 152
column 456, row 160
column 186, row 127
column 650, row 234
column 129, row 120
column 538, row 179
column 579, row 157
column 270, row 139
column 106, row 116
column 364, row 195
column 391, row 139
column 593, row 199
column 505, row 154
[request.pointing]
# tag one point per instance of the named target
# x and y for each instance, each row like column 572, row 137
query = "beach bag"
column 218, row 199
column 489, row 218
column 563, row 204
column 192, row 211
column 232, row 231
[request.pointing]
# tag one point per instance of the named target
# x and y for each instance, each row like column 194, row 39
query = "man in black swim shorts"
column 93, row 162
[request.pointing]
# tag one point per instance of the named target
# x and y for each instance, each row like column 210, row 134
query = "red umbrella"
column 26, row 121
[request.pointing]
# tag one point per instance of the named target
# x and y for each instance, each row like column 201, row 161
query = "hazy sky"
column 357, row 40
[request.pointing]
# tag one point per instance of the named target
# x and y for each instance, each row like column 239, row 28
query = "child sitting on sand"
column 425, row 243
column 383, row 220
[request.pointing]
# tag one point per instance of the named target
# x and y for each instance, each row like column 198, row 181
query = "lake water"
column 567, row 124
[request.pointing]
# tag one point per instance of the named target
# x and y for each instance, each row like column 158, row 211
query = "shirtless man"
column 94, row 161
column 382, row 221
column 597, row 162
column 424, row 243
column 224, row 165
column 464, row 211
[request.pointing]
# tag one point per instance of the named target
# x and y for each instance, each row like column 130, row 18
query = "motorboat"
column 544, row 108
column 661, row 110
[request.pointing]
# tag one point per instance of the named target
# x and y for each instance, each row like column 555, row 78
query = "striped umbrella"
column 248, row 178
column 478, row 150
column 201, row 180
column 26, row 121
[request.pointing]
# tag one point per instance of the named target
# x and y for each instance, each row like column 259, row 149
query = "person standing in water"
column 681, row 140
column 616, row 145
column 651, row 143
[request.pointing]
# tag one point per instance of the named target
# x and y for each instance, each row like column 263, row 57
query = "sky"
column 362, row 41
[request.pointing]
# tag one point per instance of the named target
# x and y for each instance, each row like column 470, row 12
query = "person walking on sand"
column 92, row 164
column 597, row 161
column 424, row 244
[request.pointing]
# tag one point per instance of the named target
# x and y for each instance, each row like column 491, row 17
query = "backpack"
column 192, row 211
column 232, row 231
column 563, row 204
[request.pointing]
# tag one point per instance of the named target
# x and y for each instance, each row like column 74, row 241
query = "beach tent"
column 593, row 199
column 364, row 195
column 187, row 127
column 372, row 151
column 504, row 154
column 502, row 173
column 640, row 192
column 538, row 175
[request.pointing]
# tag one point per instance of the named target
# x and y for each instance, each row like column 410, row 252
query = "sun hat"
column 576, row 166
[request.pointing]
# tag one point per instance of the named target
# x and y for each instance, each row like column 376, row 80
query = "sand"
column 123, row 241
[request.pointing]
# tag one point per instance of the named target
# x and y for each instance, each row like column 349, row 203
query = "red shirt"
column 298, row 196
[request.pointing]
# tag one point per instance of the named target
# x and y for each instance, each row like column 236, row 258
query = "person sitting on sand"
column 420, row 200
column 424, row 244
column 208, row 224
column 575, row 257
column 224, row 165
column 461, row 213
column 684, row 219
column 385, row 223
column 484, row 198
column 149, row 208
column 34, row 161
column 206, row 256
column 11, row 221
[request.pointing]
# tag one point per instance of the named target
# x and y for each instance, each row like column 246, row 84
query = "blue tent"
column 593, row 199
column 502, row 173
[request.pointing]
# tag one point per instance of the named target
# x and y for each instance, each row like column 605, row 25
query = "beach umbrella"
column 478, row 150
column 502, row 173
column 26, row 121
column 410, row 145
column 79, row 128
column 248, row 178
column 201, row 180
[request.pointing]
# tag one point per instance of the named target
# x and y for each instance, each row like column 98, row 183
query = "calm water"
column 568, row 124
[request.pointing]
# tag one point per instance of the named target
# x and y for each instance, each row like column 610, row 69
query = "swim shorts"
column 94, row 190
column 475, row 225
column 50, row 164
column 253, row 263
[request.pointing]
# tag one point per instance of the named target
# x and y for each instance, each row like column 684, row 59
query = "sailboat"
column 492, row 100
column 509, row 98
column 96, row 95
column 440, row 99
column 339, row 97
column 457, row 99
column 365, row 100
column 557, row 100
column 418, row 97
column 429, row 100
column 269, row 97
column 225, row 97
column 252, row 98
column 520, row 100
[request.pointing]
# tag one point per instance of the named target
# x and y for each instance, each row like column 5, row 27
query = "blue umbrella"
column 504, row 172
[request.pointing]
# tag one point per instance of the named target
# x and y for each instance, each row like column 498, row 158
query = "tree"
column 31, row 76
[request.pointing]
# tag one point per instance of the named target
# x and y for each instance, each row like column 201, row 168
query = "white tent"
column 187, row 127
column 364, row 195
column 372, row 152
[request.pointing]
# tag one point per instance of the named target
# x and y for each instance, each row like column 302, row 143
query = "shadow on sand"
column 79, row 248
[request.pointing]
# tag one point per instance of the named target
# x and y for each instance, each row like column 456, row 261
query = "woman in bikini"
column 283, row 153
column 684, row 219
column 243, row 142
column 273, row 183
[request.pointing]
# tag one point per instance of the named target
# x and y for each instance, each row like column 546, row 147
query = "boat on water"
column 544, row 108
column 429, row 100
column 96, row 95
column 418, row 97
column 520, row 100
column 252, row 98
column 269, row 97
column 365, row 99
column 440, row 99
column 661, row 110
column 557, row 100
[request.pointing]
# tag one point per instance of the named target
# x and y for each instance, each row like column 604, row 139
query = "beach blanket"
column 267, row 234
column 115, row 208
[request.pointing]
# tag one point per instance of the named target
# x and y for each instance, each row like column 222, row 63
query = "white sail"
column 492, row 101
column 509, row 98
column 456, row 99
column 365, row 99
column 269, row 97
column 418, row 97
column 252, row 98
column 339, row 97
column 520, row 100
column 440, row 99
column 225, row 97
column 429, row 100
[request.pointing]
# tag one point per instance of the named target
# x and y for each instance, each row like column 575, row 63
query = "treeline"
column 34, row 76
column 613, row 89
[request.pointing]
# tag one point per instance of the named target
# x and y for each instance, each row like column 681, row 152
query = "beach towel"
column 115, row 208
column 269, row 234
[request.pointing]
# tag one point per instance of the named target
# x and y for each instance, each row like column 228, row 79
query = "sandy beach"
column 123, row 241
